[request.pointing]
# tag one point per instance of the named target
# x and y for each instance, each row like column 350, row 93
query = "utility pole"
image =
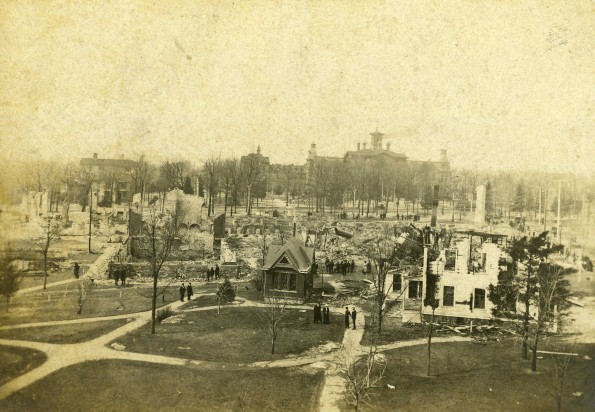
column 559, row 231
column 539, row 213
column 545, row 210
column 90, row 215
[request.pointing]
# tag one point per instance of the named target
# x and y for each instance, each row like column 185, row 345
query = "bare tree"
column 50, row 230
column 557, row 370
column 252, row 170
column 271, row 317
column 156, row 242
column 141, row 174
column 434, row 303
column 362, row 374
column 174, row 173
column 552, row 292
column 82, row 296
column 211, row 169
column 232, row 177
column 380, row 250
column 10, row 279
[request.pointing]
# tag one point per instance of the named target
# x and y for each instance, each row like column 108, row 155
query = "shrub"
column 226, row 291
column 163, row 314
column 258, row 283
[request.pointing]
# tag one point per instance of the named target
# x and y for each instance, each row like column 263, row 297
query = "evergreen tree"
column 225, row 293
column 10, row 279
column 188, row 188
column 521, row 283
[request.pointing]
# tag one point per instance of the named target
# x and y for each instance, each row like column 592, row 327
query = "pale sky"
column 498, row 84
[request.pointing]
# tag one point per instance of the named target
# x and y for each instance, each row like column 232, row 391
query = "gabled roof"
column 370, row 153
column 123, row 163
column 300, row 257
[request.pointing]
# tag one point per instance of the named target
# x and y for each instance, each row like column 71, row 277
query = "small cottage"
column 289, row 271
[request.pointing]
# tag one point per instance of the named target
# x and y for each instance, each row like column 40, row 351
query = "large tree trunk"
column 430, row 343
column 534, row 351
column 154, row 302
column 525, row 354
column 273, row 345
column 45, row 268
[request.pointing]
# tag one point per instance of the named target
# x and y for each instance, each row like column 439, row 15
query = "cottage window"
column 292, row 282
column 479, row 300
column 448, row 298
column 415, row 288
column 397, row 282
column 284, row 281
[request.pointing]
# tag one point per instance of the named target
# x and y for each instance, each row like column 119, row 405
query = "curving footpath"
column 63, row 355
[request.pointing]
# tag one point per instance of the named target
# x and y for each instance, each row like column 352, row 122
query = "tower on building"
column 376, row 141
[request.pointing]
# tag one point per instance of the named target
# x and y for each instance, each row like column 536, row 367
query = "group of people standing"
column 322, row 314
column 344, row 266
column 350, row 315
column 213, row 273
column 186, row 291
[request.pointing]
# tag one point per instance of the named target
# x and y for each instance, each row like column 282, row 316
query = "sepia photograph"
column 287, row 206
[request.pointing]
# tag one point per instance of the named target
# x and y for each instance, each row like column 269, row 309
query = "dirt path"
column 40, row 287
column 64, row 355
column 334, row 380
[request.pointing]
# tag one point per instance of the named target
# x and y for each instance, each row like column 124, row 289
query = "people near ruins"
column 77, row 269
column 189, row 291
column 182, row 292
column 216, row 271
column 317, row 313
column 352, row 266
column 347, row 317
column 353, row 316
column 326, row 315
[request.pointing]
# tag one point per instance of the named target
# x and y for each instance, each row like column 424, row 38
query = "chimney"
column 387, row 145
column 94, row 155
column 358, row 145
column 258, row 150
column 443, row 157
column 312, row 151
column 364, row 145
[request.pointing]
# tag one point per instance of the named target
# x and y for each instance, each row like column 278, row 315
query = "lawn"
column 16, row 361
column 102, row 300
column 236, row 335
column 77, row 252
column 132, row 386
column 479, row 377
column 393, row 330
column 74, row 333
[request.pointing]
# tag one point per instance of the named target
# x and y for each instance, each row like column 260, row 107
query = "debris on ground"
column 118, row 346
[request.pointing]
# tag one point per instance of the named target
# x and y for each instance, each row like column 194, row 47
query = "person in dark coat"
column 217, row 272
column 189, row 291
column 353, row 316
column 182, row 292
column 347, row 317
column 77, row 269
column 317, row 316
column 326, row 315
column 352, row 266
column 211, row 273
